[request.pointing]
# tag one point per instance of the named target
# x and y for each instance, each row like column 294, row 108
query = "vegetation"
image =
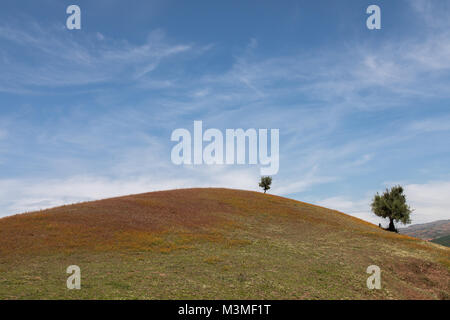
column 445, row 241
column 428, row 231
column 212, row 244
column 392, row 205
column 265, row 183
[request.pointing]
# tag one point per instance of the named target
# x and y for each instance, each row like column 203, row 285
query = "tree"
column 265, row 183
column 392, row 205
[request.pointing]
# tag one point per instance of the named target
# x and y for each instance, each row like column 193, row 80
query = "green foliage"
column 445, row 241
column 392, row 205
column 265, row 183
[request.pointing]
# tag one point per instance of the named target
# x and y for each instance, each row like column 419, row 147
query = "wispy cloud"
column 356, row 208
column 341, row 113
column 429, row 202
column 50, row 57
column 21, row 195
column 435, row 124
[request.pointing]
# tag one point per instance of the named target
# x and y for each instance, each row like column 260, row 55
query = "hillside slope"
column 428, row 231
column 445, row 241
column 212, row 244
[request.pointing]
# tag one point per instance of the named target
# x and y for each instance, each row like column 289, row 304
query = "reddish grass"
column 168, row 221
column 146, row 220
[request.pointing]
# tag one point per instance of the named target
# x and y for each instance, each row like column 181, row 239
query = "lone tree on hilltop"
column 392, row 204
column 265, row 183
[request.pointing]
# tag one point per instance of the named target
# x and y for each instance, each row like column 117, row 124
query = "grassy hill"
column 428, row 231
column 445, row 241
column 212, row 244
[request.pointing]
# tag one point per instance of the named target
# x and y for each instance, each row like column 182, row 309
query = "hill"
column 445, row 241
column 428, row 231
column 212, row 244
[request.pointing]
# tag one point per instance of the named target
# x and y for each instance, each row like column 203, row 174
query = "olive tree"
column 392, row 205
column 265, row 183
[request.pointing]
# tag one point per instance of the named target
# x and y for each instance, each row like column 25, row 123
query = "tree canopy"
column 392, row 205
column 265, row 183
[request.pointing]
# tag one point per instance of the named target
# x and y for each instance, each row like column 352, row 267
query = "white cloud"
column 356, row 208
column 249, row 94
column 433, row 13
column 301, row 183
column 361, row 160
column 3, row 133
column 20, row 195
column 100, row 36
column 24, row 195
column 430, row 202
column 430, row 125
column 59, row 60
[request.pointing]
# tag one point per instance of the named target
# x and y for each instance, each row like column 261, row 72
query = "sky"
column 88, row 114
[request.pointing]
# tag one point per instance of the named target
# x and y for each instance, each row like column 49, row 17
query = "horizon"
column 88, row 114
column 191, row 188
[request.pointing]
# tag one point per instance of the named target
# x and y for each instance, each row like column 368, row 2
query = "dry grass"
column 212, row 243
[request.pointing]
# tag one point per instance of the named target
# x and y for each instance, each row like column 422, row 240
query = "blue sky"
column 88, row 114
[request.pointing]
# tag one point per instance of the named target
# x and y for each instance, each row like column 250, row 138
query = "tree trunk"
column 265, row 191
column 391, row 225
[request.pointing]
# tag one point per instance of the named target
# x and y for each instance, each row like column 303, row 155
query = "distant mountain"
column 445, row 241
column 428, row 231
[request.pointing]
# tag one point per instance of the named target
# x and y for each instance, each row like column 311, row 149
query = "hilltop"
column 212, row 244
